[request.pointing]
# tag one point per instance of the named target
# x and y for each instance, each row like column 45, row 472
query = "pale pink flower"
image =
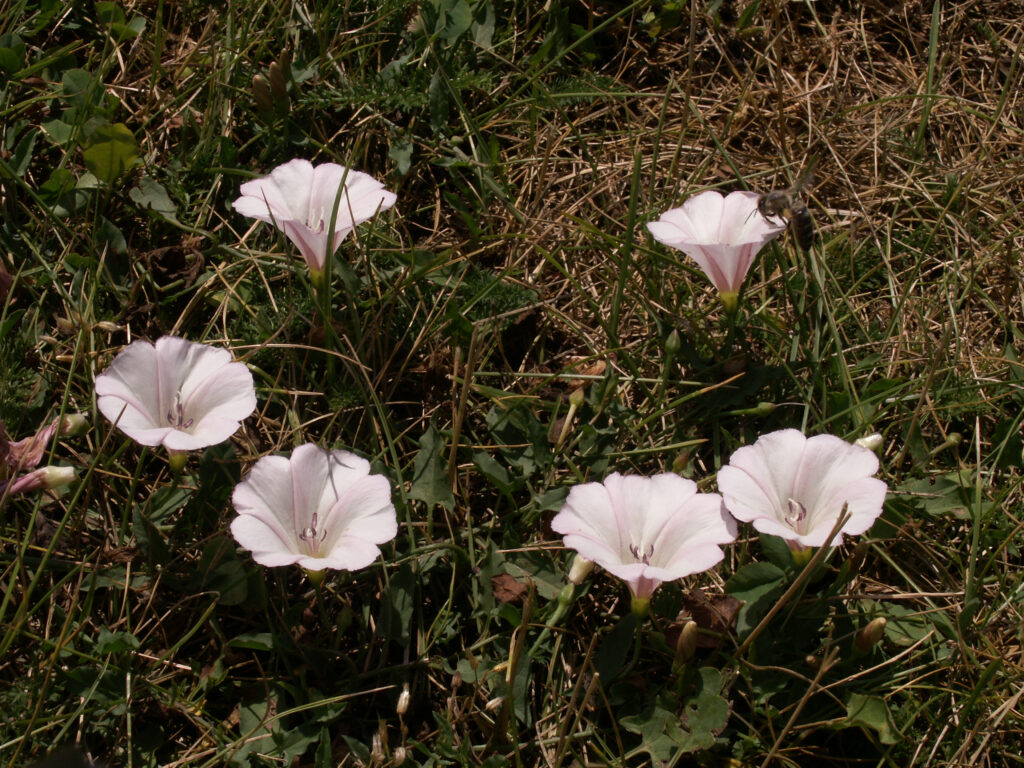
column 318, row 509
column 176, row 393
column 300, row 198
column 795, row 487
column 645, row 530
column 723, row 234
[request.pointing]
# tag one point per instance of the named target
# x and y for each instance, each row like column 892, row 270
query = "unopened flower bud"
column 278, row 87
column 580, row 569
column 261, row 93
column 74, row 424
column 673, row 344
column 871, row 442
column 686, row 646
column 38, row 479
column 108, row 327
column 54, row 477
column 399, row 755
column 377, row 749
column 953, row 439
column 870, row 634
column 403, row 701
column 576, row 398
column 494, row 704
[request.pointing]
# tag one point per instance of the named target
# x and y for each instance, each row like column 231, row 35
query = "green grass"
column 528, row 145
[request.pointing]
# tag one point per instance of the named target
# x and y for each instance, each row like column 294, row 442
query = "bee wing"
column 807, row 177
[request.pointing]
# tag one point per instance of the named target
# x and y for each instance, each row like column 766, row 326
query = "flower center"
column 318, row 220
column 312, row 538
column 176, row 416
column 797, row 516
column 644, row 558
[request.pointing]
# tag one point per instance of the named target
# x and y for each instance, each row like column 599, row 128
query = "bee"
column 786, row 203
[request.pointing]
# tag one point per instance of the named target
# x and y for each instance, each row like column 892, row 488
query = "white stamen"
column 797, row 515
column 311, row 537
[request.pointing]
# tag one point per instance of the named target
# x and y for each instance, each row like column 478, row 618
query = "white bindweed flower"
column 645, row 530
column 795, row 487
column 300, row 199
column 176, row 393
column 723, row 234
column 318, row 509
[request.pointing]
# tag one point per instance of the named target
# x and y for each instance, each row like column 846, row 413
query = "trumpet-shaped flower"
column 645, row 530
column 318, row 509
column 723, row 234
column 176, row 393
column 795, row 487
column 300, row 199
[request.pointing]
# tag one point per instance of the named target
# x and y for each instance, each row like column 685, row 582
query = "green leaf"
column 116, row 642
column 776, row 550
column 400, row 153
column 437, row 97
column 458, row 17
column 110, row 150
column 873, row 713
column 58, row 131
column 483, row 25
column 430, row 476
column 397, row 605
column 614, row 650
column 151, row 195
column 22, row 154
column 255, row 641
column 706, row 714
column 758, row 585
column 12, row 53
column 108, row 237
column 324, row 757
column 656, row 728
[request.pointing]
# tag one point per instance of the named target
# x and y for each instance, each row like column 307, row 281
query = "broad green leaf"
column 873, row 713
column 615, row 647
column 255, row 641
column 437, row 96
column 151, row 195
column 12, row 53
column 758, row 585
column 116, row 642
column 110, row 150
column 430, row 476
column 397, row 605
column 58, row 131
column 706, row 714
column 483, row 24
column 458, row 17
column 22, row 155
